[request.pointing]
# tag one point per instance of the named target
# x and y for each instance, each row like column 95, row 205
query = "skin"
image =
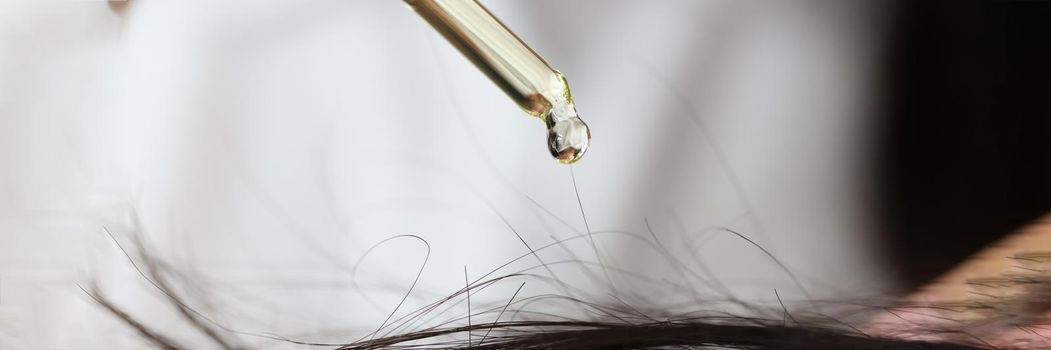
column 1001, row 296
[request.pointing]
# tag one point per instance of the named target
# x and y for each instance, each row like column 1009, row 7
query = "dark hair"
column 611, row 327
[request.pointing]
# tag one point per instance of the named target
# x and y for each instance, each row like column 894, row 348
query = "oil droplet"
column 568, row 137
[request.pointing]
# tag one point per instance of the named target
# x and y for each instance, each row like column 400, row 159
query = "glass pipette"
column 536, row 87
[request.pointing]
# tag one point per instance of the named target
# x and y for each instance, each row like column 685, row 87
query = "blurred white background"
column 263, row 146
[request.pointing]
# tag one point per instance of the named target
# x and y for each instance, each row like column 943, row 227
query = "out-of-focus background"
column 263, row 147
